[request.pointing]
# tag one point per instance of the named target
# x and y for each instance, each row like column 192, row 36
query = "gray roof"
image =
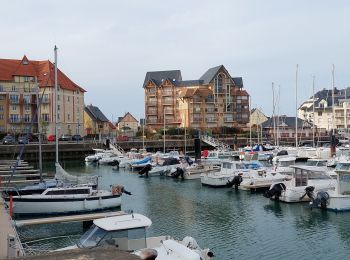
column 191, row 82
column 208, row 76
column 96, row 113
column 158, row 76
column 288, row 120
column 238, row 81
column 326, row 94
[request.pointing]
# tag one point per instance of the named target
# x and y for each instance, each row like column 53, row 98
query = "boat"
column 168, row 166
column 261, row 179
column 304, row 179
column 284, row 165
column 127, row 232
column 67, row 200
column 337, row 199
column 228, row 170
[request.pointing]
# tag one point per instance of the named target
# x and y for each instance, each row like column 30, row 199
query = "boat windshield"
column 253, row 165
column 286, row 163
column 316, row 163
column 92, row 237
column 343, row 166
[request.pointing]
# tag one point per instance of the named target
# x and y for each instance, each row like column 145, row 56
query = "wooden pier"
column 69, row 218
column 10, row 245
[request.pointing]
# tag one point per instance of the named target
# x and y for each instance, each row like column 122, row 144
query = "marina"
column 228, row 221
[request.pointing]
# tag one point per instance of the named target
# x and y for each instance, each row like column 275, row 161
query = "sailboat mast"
column 296, row 106
column 164, row 130
column 56, row 103
column 273, row 113
column 333, row 118
column 38, row 106
column 250, row 124
column 185, row 134
column 313, row 111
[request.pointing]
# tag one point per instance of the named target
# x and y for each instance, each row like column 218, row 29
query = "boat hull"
column 32, row 206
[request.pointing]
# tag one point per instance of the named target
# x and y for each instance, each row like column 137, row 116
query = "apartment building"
column 321, row 109
column 23, row 83
column 214, row 100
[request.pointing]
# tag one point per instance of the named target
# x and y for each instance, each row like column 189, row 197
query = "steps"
column 214, row 142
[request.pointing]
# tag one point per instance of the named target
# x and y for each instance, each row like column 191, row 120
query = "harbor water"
column 234, row 224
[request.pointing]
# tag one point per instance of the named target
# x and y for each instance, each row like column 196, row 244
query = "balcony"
column 45, row 101
column 151, row 112
column 197, row 119
column 151, row 102
column 211, row 120
column 228, row 120
column 14, row 101
column 167, row 102
column 168, row 111
column 167, row 93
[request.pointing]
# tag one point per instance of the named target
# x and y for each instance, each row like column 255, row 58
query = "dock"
column 69, row 218
column 98, row 253
column 10, row 244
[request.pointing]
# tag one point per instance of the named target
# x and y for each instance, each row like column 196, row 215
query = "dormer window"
column 25, row 62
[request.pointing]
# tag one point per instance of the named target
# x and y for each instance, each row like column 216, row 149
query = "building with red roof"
column 22, row 82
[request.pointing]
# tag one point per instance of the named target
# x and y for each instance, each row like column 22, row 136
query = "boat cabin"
column 343, row 179
column 126, row 232
column 74, row 190
column 316, row 162
column 302, row 174
column 286, row 161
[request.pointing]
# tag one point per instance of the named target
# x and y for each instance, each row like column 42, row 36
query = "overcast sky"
column 108, row 46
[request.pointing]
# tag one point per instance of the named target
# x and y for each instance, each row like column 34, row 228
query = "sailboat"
column 68, row 198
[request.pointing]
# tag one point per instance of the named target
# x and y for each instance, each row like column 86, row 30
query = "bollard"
column 197, row 148
column 11, row 206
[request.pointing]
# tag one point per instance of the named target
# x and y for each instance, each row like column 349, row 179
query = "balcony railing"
column 167, row 93
column 14, row 101
column 151, row 112
column 152, row 103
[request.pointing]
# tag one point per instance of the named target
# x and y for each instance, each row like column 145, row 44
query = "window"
column 27, row 118
column 1, row 116
column 58, row 107
column 1, row 108
column 1, row 88
column 58, row 97
column 58, row 116
column 68, row 116
column 68, row 98
column 27, row 108
column 319, row 113
column 45, row 117
column 26, row 99
column 14, row 107
column 13, row 88
column 14, row 118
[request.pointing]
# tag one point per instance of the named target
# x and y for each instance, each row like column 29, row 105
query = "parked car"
column 51, row 138
column 9, row 139
column 77, row 138
column 23, row 139
column 65, row 138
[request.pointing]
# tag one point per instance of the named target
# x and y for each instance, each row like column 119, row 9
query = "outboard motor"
column 275, row 191
column 115, row 163
column 236, row 181
column 282, row 152
column 188, row 160
column 145, row 170
column 321, row 200
column 179, row 172
column 309, row 191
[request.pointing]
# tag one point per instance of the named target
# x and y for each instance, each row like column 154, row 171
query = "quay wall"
column 78, row 151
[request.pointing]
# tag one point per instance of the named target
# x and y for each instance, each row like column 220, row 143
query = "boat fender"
column 148, row 254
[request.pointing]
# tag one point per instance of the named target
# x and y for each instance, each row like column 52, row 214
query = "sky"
column 107, row 46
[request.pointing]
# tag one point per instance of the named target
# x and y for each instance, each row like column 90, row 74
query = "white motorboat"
column 284, row 165
column 339, row 198
column 111, row 160
column 128, row 233
column 168, row 166
column 100, row 154
column 229, row 169
column 304, row 179
column 260, row 179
